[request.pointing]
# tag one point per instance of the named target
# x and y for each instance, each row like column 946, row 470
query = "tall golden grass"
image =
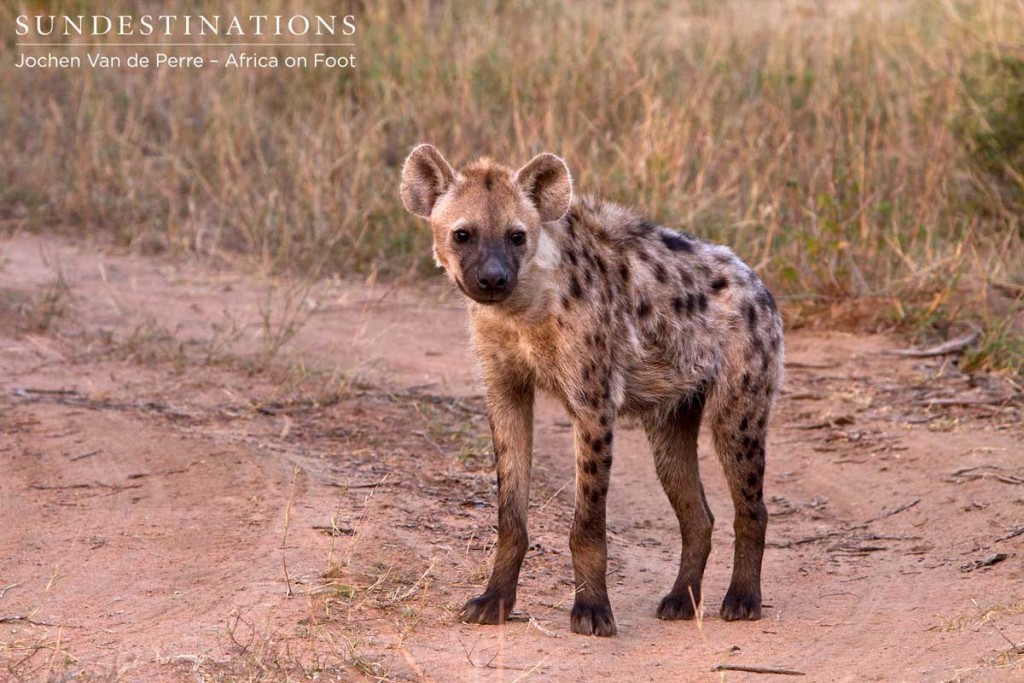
column 846, row 149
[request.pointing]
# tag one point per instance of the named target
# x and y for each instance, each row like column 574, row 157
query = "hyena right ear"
column 547, row 182
column 425, row 177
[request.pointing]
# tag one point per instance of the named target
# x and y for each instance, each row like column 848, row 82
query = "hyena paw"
column 741, row 606
column 489, row 608
column 592, row 619
column 674, row 607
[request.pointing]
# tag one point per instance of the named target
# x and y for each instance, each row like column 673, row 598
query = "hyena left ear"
column 426, row 176
column 547, row 181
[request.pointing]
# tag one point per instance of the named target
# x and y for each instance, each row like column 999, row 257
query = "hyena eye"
column 461, row 236
column 518, row 238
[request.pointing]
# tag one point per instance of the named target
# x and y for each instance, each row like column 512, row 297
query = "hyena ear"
column 547, row 181
column 425, row 177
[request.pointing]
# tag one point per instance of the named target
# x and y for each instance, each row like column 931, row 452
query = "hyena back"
column 617, row 317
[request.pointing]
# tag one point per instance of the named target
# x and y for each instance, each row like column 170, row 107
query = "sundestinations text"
column 185, row 25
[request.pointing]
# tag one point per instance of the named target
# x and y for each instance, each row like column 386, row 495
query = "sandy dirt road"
column 165, row 489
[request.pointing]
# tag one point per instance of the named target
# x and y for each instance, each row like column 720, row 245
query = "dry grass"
column 863, row 149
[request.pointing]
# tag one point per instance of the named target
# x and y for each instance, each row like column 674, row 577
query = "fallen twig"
column 895, row 511
column 22, row 392
column 1013, row 534
column 983, row 563
column 15, row 618
column 83, row 456
column 992, row 401
column 757, row 670
column 94, row 485
column 332, row 530
column 374, row 485
column 811, row 366
column 1005, row 478
column 952, row 346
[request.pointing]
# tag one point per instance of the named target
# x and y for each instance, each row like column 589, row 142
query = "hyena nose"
column 492, row 277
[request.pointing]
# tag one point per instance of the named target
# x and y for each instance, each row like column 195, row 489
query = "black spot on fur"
column 607, row 460
column 590, row 467
column 589, row 276
column 746, row 381
column 751, row 314
column 647, row 226
column 595, row 496
column 601, row 265
column 565, row 302
column 607, row 436
column 702, row 302
column 574, row 287
column 643, row 309
column 571, row 255
column 719, row 284
column 488, row 182
column 624, row 272
column 644, row 256
column 597, row 445
column 659, row 273
column 676, row 242
column 677, row 304
column 753, row 479
column 744, row 423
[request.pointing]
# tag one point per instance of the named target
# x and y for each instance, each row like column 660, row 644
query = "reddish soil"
column 164, row 475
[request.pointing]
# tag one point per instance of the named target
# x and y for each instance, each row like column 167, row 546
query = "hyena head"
column 487, row 218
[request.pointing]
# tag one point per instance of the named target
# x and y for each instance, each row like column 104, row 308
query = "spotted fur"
column 620, row 318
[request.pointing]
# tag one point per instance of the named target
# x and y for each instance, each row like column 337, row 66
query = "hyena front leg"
column 592, row 611
column 510, row 411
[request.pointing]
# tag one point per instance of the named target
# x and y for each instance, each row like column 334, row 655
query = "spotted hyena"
column 619, row 318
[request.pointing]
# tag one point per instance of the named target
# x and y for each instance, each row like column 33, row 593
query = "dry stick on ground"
column 1013, row 534
column 15, row 618
column 757, row 670
column 992, row 401
column 952, row 346
column 810, row 366
column 83, row 456
column 284, row 540
column 895, row 511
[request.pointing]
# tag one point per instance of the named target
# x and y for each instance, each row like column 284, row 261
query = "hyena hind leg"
column 674, row 444
column 740, row 429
